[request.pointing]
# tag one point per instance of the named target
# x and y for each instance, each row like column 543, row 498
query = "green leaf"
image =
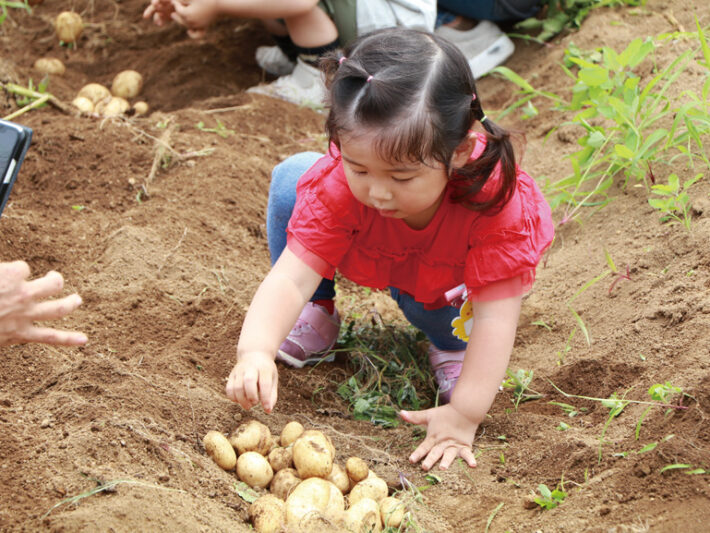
column 648, row 447
column 594, row 77
column 674, row 467
column 245, row 492
column 623, row 151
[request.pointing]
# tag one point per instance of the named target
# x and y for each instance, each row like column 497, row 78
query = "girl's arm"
column 451, row 428
column 272, row 313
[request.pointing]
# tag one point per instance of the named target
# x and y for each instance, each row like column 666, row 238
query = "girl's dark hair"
column 418, row 91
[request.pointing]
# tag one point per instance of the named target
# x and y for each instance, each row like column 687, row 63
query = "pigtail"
column 468, row 180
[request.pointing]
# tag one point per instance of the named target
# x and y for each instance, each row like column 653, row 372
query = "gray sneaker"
column 274, row 61
column 485, row 45
column 304, row 86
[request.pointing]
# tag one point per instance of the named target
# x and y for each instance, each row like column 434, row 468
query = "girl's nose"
column 380, row 193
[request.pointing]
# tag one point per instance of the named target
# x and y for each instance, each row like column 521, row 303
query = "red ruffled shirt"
column 494, row 255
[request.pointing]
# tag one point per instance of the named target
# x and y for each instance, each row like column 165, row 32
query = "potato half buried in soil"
column 127, row 84
column 268, row 514
column 49, row 65
column 68, row 26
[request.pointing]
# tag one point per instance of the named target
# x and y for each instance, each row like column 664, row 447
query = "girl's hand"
column 159, row 11
column 449, row 434
column 254, row 379
column 195, row 15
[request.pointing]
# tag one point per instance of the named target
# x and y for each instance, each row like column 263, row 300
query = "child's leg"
column 435, row 323
column 282, row 198
column 446, row 352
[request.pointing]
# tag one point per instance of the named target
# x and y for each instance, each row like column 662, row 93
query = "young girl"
column 408, row 198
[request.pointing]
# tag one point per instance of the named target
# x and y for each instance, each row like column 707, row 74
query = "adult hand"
column 159, row 11
column 196, row 15
column 22, row 302
column 254, row 379
column 449, row 434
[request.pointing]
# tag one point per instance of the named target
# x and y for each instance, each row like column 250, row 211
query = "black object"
column 14, row 142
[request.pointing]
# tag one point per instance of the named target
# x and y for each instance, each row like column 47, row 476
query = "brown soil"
column 166, row 281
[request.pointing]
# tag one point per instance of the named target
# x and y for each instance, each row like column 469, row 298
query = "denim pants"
column 493, row 10
column 435, row 323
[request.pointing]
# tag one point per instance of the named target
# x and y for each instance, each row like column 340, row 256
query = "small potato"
column 284, row 482
column 94, row 92
column 392, row 511
column 313, row 454
column 371, row 487
column 291, row 432
column 280, row 458
column 68, row 26
column 113, row 107
column 83, row 104
column 218, row 448
column 252, row 436
column 254, row 470
column 140, row 108
column 268, row 514
column 127, row 84
column 357, row 469
column 363, row 517
column 339, row 478
column 50, row 65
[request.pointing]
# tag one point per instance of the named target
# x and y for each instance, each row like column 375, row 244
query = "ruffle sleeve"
column 510, row 243
column 325, row 217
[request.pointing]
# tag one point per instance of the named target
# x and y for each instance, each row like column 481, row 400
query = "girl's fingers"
column 52, row 309
column 467, row 455
column 421, row 451
column 433, row 456
column 266, row 385
column 448, row 457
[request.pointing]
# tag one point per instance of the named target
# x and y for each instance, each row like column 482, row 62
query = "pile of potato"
column 306, row 486
column 97, row 99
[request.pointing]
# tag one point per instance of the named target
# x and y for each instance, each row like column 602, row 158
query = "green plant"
column 388, row 371
column 519, row 382
column 660, row 393
column 549, row 499
column 627, row 127
column 220, row 129
column 559, row 15
column 5, row 4
column 672, row 199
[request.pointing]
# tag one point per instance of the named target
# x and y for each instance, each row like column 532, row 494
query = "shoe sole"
column 297, row 363
column 494, row 55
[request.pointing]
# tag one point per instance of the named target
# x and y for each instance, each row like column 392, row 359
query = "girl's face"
column 411, row 191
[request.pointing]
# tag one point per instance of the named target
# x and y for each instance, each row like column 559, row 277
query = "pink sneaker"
column 447, row 368
column 311, row 338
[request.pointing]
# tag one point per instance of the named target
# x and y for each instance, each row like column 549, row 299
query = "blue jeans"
column 435, row 323
column 493, row 10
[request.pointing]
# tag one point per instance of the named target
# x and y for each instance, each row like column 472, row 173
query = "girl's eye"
column 359, row 172
column 402, row 180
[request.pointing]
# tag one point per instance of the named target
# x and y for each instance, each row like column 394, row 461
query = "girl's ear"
column 463, row 151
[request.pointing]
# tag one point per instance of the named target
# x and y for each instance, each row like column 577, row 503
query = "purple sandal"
column 311, row 338
column 447, row 369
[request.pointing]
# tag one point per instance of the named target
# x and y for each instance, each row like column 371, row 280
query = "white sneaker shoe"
column 485, row 45
column 304, row 86
column 274, row 61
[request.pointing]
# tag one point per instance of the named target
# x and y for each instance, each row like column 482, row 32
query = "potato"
column 140, row 108
column 268, row 514
column 68, row 26
column 372, row 487
column 280, row 458
column 291, row 432
column 50, row 65
column 357, row 469
column 314, row 499
column 392, row 511
column 339, row 478
column 218, row 448
column 254, row 470
column 94, row 92
column 284, row 482
column 313, row 454
column 113, row 107
column 252, row 436
column 127, row 84
column 83, row 104
column 363, row 517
